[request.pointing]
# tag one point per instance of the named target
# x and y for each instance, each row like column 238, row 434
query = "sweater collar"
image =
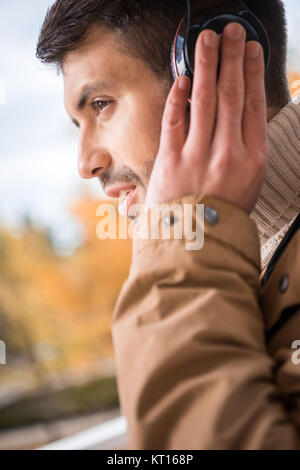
column 279, row 200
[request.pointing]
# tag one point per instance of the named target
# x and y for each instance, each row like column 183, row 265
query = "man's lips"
column 114, row 191
column 125, row 202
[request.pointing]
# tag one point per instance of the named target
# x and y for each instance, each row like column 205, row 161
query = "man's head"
column 126, row 45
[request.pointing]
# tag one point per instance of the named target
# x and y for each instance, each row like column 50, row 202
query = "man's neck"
column 272, row 112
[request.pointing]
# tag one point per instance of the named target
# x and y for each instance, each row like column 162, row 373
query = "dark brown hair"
column 147, row 28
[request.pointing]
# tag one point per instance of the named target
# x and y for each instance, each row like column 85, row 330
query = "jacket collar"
column 279, row 200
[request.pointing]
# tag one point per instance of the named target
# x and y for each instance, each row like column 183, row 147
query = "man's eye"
column 100, row 105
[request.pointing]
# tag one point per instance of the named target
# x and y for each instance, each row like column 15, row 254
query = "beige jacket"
column 204, row 344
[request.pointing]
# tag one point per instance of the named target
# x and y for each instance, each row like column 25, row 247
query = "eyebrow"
column 87, row 90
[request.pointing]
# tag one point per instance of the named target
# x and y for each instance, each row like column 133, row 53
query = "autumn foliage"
column 294, row 81
column 55, row 312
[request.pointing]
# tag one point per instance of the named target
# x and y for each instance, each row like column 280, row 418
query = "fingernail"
column 211, row 39
column 234, row 31
column 183, row 83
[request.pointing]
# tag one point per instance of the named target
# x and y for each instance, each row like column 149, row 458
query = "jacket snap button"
column 211, row 215
column 170, row 219
column 284, row 283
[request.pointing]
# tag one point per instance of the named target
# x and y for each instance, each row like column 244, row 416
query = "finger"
column 204, row 93
column 173, row 133
column 255, row 112
column 231, row 87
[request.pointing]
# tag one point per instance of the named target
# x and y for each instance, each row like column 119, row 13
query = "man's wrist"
column 191, row 219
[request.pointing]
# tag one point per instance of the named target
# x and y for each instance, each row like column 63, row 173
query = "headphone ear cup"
column 218, row 24
column 190, row 46
column 173, row 61
column 178, row 62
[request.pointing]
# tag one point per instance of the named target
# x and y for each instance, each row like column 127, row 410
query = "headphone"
column 214, row 15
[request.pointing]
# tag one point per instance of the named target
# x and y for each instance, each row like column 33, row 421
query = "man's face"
column 118, row 102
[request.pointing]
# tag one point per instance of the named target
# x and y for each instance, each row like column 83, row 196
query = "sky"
column 38, row 142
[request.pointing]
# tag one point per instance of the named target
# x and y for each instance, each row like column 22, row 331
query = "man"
column 206, row 359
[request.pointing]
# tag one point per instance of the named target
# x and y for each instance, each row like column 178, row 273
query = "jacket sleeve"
column 193, row 371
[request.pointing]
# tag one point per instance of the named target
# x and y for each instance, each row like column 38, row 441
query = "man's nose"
column 93, row 160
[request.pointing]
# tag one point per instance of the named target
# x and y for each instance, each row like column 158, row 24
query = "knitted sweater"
column 279, row 199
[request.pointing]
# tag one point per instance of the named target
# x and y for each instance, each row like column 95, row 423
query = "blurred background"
column 58, row 282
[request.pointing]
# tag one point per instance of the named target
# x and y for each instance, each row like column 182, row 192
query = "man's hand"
column 225, row 153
